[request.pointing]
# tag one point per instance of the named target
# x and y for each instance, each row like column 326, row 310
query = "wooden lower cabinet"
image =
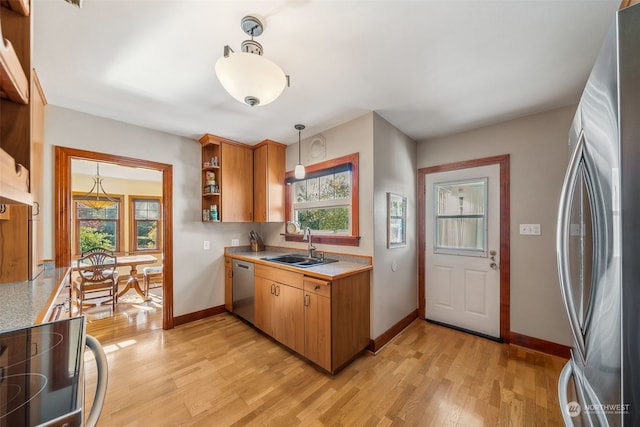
column 325, row 321
column 317, row 322
column 279, row 312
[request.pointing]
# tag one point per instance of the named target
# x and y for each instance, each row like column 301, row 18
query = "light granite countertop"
column 22, row 303
column 346, row 265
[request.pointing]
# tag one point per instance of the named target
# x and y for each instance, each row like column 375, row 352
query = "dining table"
column 133, row 261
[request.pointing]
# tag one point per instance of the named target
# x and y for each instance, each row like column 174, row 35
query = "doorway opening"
column 426, row 231
column 64, row 207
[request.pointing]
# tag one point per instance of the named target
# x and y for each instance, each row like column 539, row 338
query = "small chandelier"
column 299, row 171
column 248, row 76
column 94, row 199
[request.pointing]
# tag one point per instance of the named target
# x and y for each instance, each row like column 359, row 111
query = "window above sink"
column 327, row 196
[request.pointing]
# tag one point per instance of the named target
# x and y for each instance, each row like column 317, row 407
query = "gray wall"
column 539, row 155
column 394, row 294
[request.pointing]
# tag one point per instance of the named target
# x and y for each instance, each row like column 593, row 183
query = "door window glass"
column 461, row 217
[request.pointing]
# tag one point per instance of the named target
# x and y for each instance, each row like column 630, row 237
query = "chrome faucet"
column 307, row 236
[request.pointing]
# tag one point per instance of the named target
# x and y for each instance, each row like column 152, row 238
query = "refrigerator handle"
column 101, row 387
column 562, row 244
column 563, row 390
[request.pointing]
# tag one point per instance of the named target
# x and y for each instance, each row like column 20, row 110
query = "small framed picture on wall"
column 396, row 220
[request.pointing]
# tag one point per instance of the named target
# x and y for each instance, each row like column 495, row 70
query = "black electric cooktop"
column 41, row 379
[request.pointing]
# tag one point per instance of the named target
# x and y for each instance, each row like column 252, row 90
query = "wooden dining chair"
column 92, row 250
column 97, row 278
column 151, row 276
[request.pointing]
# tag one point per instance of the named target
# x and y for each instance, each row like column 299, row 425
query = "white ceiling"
column 430, row 68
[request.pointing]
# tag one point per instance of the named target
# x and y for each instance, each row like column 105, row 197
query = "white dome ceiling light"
column 248, row 76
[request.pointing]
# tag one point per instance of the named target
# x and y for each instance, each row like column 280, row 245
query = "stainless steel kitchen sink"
column 297, row 260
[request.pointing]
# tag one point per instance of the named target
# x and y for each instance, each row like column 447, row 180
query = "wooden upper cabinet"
column 236, row 188
column 268, row 181
column 227, row 184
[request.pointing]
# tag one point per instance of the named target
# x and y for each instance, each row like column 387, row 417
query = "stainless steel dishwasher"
column 243, row 289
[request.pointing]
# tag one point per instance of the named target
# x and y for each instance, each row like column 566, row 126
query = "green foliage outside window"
column 147, row 234
column 331, row 219
column 91, row 238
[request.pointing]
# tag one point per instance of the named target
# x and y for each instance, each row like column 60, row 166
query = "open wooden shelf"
column 14, row 181
column 13, row 81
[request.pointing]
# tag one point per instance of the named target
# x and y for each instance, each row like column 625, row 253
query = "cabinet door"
column 289, row 317
column 268, row 181
column 263, row 304
column 317, row 323
column 36, row 177
column 236, row 183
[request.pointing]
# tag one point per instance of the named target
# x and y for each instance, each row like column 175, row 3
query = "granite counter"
column 24, row 303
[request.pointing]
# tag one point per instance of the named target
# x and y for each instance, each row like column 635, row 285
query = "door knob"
column 493, row 263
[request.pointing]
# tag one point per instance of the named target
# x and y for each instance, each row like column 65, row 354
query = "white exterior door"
column 462, row 227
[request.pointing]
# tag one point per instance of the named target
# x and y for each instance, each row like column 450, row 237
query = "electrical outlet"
column 530, row 229
column 205, row 245
column 235, row 242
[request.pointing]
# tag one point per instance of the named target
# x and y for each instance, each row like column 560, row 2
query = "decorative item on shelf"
column 213, row 213
column 248, row 76
column 97, row 200
column 210, row 178
column 214, row 161
column 292, row 227
column 299, row 171
column 205, row 214
column 211, row 189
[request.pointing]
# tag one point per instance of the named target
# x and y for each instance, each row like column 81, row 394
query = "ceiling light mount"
column 247, row 75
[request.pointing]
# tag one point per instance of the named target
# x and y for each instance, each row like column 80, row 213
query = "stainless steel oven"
column 42, row 375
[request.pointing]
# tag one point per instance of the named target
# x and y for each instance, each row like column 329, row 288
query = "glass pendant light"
column 248, row 76
column 299, row 171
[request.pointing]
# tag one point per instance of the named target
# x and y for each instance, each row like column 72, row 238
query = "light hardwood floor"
column 220, row 371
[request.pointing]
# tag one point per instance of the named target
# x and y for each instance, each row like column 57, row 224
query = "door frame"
column 63, row 207
column 505, row 232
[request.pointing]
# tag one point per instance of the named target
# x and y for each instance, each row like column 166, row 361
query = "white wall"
column 539, row 155
column 198, row 274
column 394, row 293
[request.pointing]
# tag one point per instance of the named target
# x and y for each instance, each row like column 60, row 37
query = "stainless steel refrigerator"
column 598, row 238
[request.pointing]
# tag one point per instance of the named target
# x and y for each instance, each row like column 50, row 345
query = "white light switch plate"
column 205, row 245
column 235, row 242
column 530, row 229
